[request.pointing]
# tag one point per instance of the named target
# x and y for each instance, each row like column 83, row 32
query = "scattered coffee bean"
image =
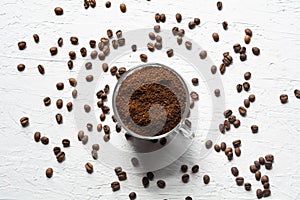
column 107, row 4
column 206, row 179
column 223, row 146
column 215, row 36
column 66, row 143
column 237, row 47
column 230, row 156
column 246, row 86
column 132, row 195
column 217, row 148
column 203, row 54
column 56, row 150
column 188, row 198
column 222, row 128
column 152, row 36
column 58, row 11
column 213, row 69
column 269, row 158
column 60, row 86
column 239, row 181
column 268, row 165
column 36, row 38
column 24, row 121
column 247, row 75
column 266, row 192
column 83, row 52
column 228, row 150
column 178, row 17
column 247, row 39
column 208, row 144
column 227, row 125
column 256, row 51
column 143, row 57
column 297, row 93
column 264, row 179
column 49, row 172
column 22, row 45
column 72, row 55
column 45, row 140
column 118, row 128
column 102, row 117
column 284, row 98
column 145, row 182
column 257, row 164
column 234, row 171
column 94, row 154
column 246, row 103
column 261, row 160
column 162, row 18
column 150, row 46
column 257, row 175
column 184, row 168
column 222, row 68
column 37, row 136
column 170, row 53
column 253, row 168
column 47, row 101
column 247, row 186
column 89, row 78
column 106, row 129
column 59, row 118
column 80, row 135
column 21, row 67
column 69, row 106
column 219, row 5
column 185, row 178
column 133, row 48
column 89, row 168
column 217, row 92
column 73, row 82
column 237, row 151
column 243, row 57
column 227, row 113
column 248, row 32
column 181, row 32
column 197, row 21
column 259, row 193
column 225, row 25
column 60, row 157
column 239, row 88
column 122, row 176
column 74, row 40
column 70, row 64
column 53, row 51
column 237, row 123
column 188, row 45
column 242, row 111
column 115, row 186
column 243, row 51
column 195, row 168
column 236, row 143
column 254, row 128
column 231, row 119
column 251, row 98
column 60, row 42
column 266, row 185
column 41, row 69
column 59, row 103
column 161, row 184
column 192, row 25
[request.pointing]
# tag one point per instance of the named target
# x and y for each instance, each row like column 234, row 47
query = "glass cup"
column 158, row 119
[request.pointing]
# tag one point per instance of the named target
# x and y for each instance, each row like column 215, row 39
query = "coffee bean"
column 257, row 175
column 215, row 36
column 161, row 184
column 266, row 185
column 45, row 140
column 247, row 39
column 56, row 150
column 123, row 7
column 184, row 168
column 219, row 5
column 227, row 125
column 119, row 33
column 83, row 52
column 58, row 11
column 22, row 45
column 247, row 75
column 106, row 129
column 21, row 67
column 237, row 123
column 47, row 101
column 246, row 103
column 178, row 17
column 269, row 158
column 179, row 40
column 228, row 150
column 195, row 168
column 102, row 117
column 232, row 119
column 60, row 42
column 150, row 46
column 24, row 121
column 89, row 78
column 59, row 103
column 243, row 57
column 239, row 181
column 49, row 172
column 80, row 135
column 89, row 168
column 197, row 21
column 259, row 193
column 257, row 164
column 188, row 198
column 213, row 69
column 222, row 68
column 74, row 40
column 66, row 143
column 266, row 192
column 247, row 186
column 115, row 186
column 230, row 156
column 132, row 195
column 37, row 136
column 122, row 176
column 118, row 170
column 268, row 165
column 256, row 51
column 227, row 113
column 192, row 25
column 162, row 18
column 152, row 36
column 237, row 151
column 188, row 45
column 208, row 144
column 217, row 92
column 236, row 143
column 284, row 98
column 145, row 182
column 41, row 69
column 237, row 47
column 222, row 128
column 69, row 106
column 143, row 57
column 242, row 111
column 261, row 160
column 36, row 38
column 181, row 32
column 185, row 178
column 234, row 171
column 217, row 148
column 59, row 118
column 107, row 4
column 223, row 146
column 206, row 179
column 170, row 53
column 113, row 70
column 203, row 54
column 175, row 30
column 264, row 179
column 72, row 55
column 105, row 109
column 53, row 51
column 254, row 128
column 253, row 168
column 297, row 93
column 60, row 86
column 248, row 32
column 251, row 98
column 157, row 17
column 118, row 128
column 243, row 50
column 70, row 64
column 246, row 86
column 225, row 25
column 89, row 126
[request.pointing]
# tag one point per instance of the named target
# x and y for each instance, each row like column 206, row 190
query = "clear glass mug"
column 121, row 96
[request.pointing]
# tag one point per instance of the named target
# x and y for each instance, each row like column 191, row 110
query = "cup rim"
column 119, row 83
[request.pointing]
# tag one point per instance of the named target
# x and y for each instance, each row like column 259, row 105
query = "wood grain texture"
column 275, row 26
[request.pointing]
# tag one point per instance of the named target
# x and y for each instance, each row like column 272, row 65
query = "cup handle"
column 185, row 129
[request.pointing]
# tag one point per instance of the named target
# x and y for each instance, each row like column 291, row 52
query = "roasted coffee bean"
column 156, row 28
column 230, row 156
column 89, row 168
column 49, row 172
column 227, row 113
column 192, row 25
column 161, row 184
column 242, row 111
column 269, row 158
column 195, row 168
column 157, row 17
column 217, row 92
column 133, row 48
column 145, row 182
column 41, row 69
column 247, row 39
column 208, row 144
column 170, row 53
column 206, row 179
column 181, row 32
column 225, row 25
column 264, row 179
column 66, row 143
column 36, row 38
column 246, row 86
column 102, row 117
column 105, row 109
column 115, row 186
column 60, row 42
column 59, row 103
column 236, row 143
column 297, row 93
column 213, row 69
column 227, row 125
column 257, row 175
column 239, row 181
column 234, row 171
column 284, row 98
column 266, row 185
column 231, row 119
column 247, row 186
column 197, row 21
column 248, row 32
column 243, row 57
column 222, row 68
column 58, row 11
column 228, row 150
column 246, row 103
column 237, row 123
column 119, row 33
column 253, row 168
column 243, row 50
column 256, row 51
column 92, row 43
column 73, row 82
column 143, row 57
column 194, row 95
column 163, row 141
column 113, row 70
column 72, row 55
column 219, row 5
column 95, row 147
column 89, row 126
column 188, row 45
column 74, row 40
column 175, row 30
column 217, row 148
column 237, row 47
column 80, row 135
column 266, row 192
column 89, row 78
column 203, row 54
column 122, row 176
column 21, row 67
column 254, row 128
column 247, row 75
column 185, row 178
column 268, row 165
column 222, row 128
column 108, row 4
column 47, row 101
column 223, row 146
column 45, row 140
column 37, row 136
column 257, row 164
column 215, row 36
column 94, row 154
column 188, row 198
column 70, row 64
column 151, row 36
column 132, row 195
column 106, row 129
column 22, row 45
column 251, row 98
column 118, row 170
column 239, row 88
column 118, row 128
column 59, row 118
column 60, row 86
column 83, row 52
column 150, row 46
column 184, row 168
column 261, row 160
column 162, row 18
column 237, row 151
column 259, row 193
column 179, row 40
column 24, row 121
column 100, row 103
column 69, row 106
column 123, row 7
column 56, row 150
column 53, row 51
column 178, row 17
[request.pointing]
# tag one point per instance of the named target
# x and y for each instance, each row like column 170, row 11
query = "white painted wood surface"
column 275, row 26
